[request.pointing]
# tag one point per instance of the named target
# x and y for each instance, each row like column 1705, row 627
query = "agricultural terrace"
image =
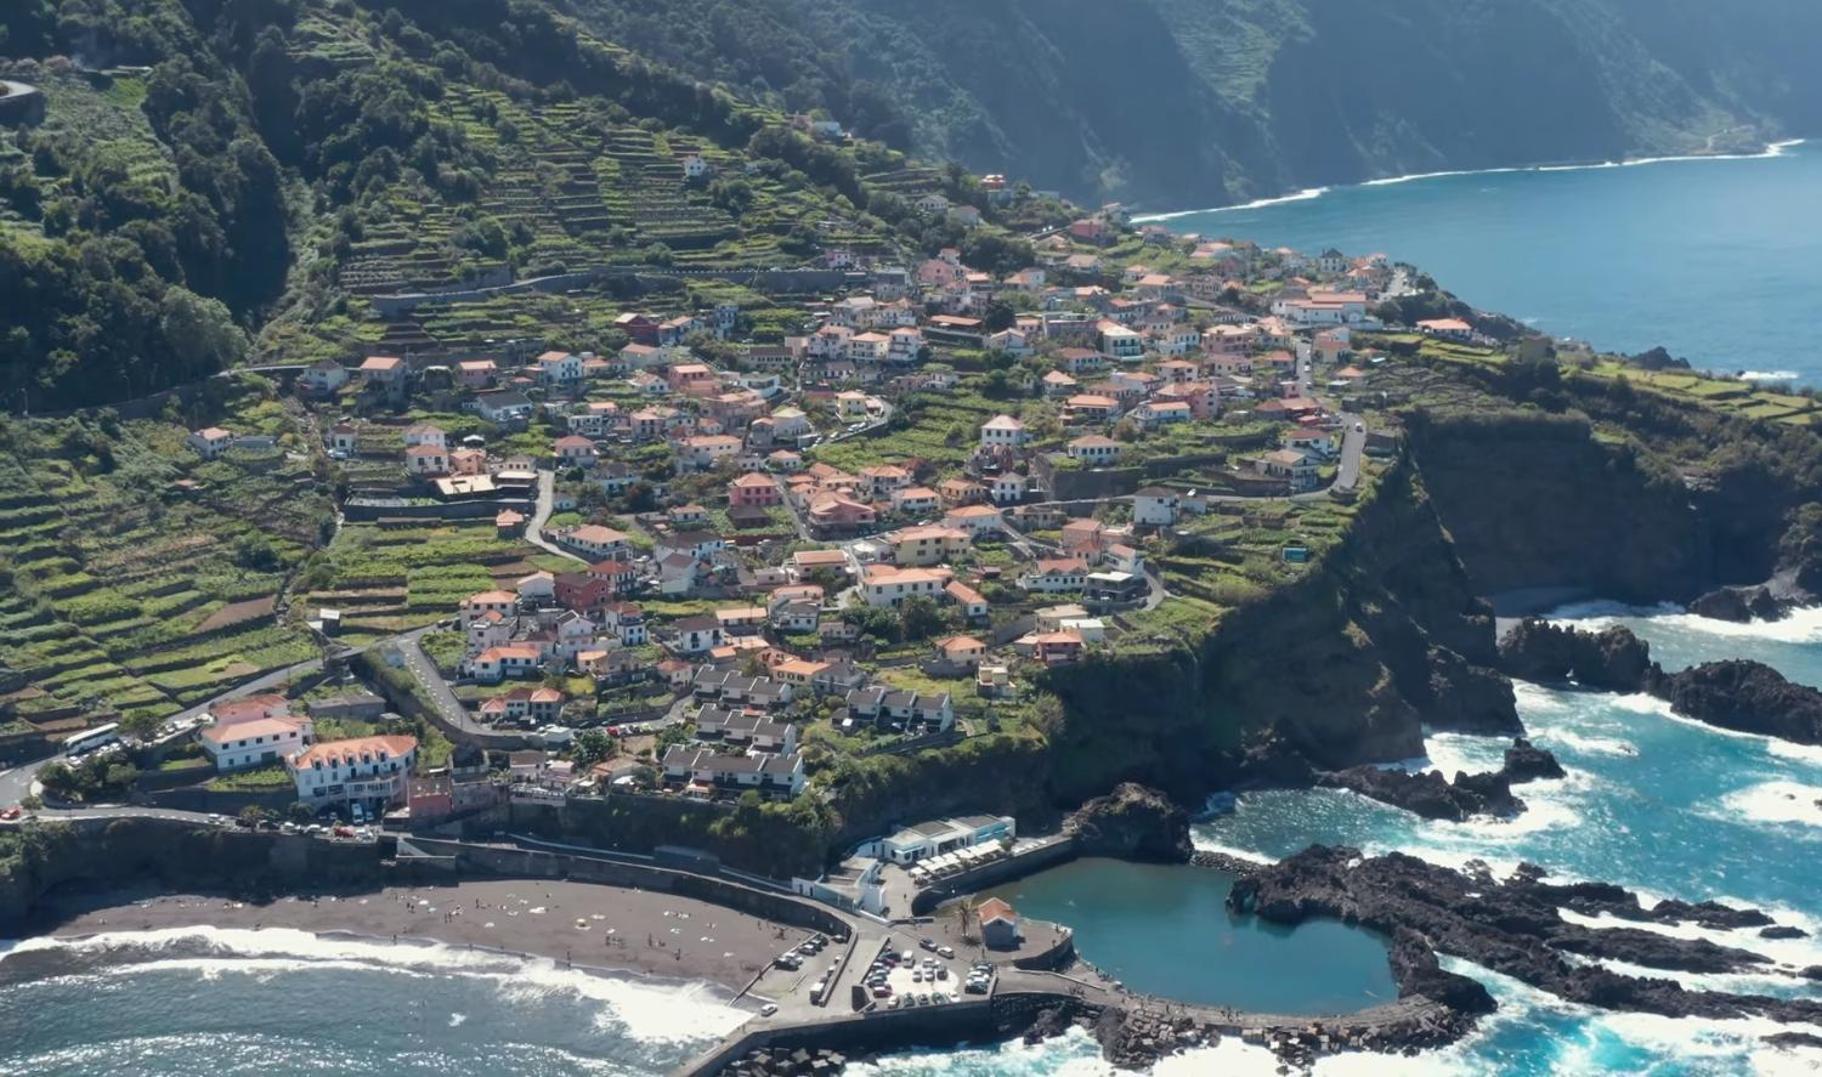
column 389, row 578
column 143, row 579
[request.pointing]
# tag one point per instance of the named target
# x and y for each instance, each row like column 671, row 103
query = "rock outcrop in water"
column 1429, row 794
column 1525, row 762
column 1737, row 693
column 1432, row 796
column 1133, row 823
column 1743, row 695
column 1613, row 658
column 1514, row 927
column 1738, row 604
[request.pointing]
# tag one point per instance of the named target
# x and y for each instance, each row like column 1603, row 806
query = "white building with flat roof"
column 925, row 840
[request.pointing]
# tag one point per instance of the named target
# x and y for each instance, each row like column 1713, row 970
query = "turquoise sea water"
column 1125, row 915
column 1665, row 806
column 1714, row 259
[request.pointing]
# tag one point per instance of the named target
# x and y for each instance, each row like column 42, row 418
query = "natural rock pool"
column 1165, row 930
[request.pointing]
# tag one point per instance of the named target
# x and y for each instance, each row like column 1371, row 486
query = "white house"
column 235, row 743
column 1095, row 450
column 1155, row 506
column 888, row 585
column 371, row 771
column 210, row 441
column 1004, row 430
column 925, row 840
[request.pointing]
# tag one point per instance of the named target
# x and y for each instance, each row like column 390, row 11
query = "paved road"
column 790, row 506
column 540, row 515
column 424, row 671
column 1353, row 444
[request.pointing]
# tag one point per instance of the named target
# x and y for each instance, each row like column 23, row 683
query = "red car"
column 10, row 813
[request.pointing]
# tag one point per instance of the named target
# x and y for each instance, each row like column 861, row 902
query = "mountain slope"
column 216, row 180
column 1183, row 102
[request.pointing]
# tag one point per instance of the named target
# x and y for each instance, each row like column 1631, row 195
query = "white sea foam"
column 1258, row 203
column 650, row 1012
column 1801, row 625
column 1072, row 1054
column 1769, row 375
column 1209, row 845
column 1585, row 743
column 1780, row 802
column 1795, row 953
column 1775, row 149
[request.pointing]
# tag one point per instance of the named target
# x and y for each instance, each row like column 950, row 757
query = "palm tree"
column 967, row 912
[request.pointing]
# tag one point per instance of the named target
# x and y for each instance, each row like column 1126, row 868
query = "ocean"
column 1716, row 259
column 1709, row 257
column 1665, row 806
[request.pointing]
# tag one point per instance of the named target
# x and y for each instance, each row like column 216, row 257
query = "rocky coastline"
column 1432, row 796
column 1739, row 694
column 1515, row 927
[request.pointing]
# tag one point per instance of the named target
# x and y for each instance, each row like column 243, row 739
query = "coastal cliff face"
column 1341, row 668
column 1534, row 500
column 37, row 857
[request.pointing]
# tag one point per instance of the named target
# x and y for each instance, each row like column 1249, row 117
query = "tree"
column 967, row 915
column 592, row 746
column 919, row 617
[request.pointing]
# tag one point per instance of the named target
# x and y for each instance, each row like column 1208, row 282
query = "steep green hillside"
column 1186, row 102
column 223, row 180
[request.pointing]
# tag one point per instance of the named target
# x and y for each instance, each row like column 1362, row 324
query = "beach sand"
column 591, row 926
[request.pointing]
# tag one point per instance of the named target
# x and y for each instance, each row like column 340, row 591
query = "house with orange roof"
column 476, row 373
column 504, row 603
column 753, row 490
column 539, row 704
column 961, row 651
column 573, row 450
column 210, row 441
column 495, row 664
column 972, row 603
column 977, row 520
column 1004, row 430
column 595, row 541
column 915, row 500
column 831, row 513
column 1094, row 450
column 886, row 586
column 1051, row 575
column 927, row 544
column 384, row 370
column 373, row 772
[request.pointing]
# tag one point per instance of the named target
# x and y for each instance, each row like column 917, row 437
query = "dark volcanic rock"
column 1513, row 928
column 1429, row 794
column 1744, row 695
column 1794, row 1039
column 1528, row 763
column 1613, row 658
column 1739, row 604
column 1416, row 971
column 1134, row 823
column 1783, row 931
column 1722, row 604
column 1433, row 797
column 1468, row 698
column 1813, row 972
column 1275, row 763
